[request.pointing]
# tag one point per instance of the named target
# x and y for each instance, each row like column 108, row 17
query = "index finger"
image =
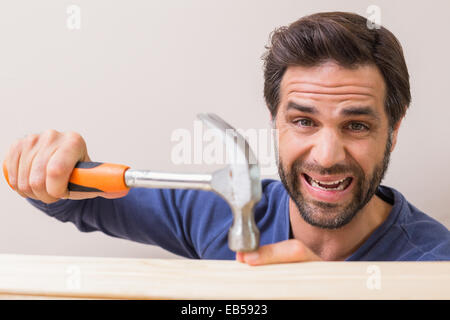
column 291, row 250
column 58, row 171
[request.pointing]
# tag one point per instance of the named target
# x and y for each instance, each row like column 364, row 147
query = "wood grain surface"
column 56, row 277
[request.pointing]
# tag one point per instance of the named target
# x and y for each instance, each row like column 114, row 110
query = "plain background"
column 138, row 70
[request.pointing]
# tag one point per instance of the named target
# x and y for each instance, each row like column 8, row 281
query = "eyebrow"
column 350, row 111
column 306, row 109
column 360, row 111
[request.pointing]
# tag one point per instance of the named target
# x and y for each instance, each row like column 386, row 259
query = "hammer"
column 238, row 183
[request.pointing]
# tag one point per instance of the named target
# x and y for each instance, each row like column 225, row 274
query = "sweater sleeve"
column 184, row 222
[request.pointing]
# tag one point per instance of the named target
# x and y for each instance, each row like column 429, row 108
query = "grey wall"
column 138, row 70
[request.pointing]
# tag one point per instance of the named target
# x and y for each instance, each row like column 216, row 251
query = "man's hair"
column 346, row 39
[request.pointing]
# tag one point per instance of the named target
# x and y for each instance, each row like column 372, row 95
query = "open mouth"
column 337, row 185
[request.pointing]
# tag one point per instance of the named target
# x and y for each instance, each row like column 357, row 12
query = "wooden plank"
column 51, row 277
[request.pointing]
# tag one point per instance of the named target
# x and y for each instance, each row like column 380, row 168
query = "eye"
column 358, row 126
column 304, row 122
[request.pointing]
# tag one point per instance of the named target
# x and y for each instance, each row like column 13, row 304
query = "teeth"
column 330, row 183
column 341, row 185
column 315, row 184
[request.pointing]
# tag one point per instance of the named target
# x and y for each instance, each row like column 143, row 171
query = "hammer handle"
column 98, row 177
column 93, row 177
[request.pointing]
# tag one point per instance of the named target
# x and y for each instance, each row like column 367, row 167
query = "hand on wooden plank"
column 292, row 250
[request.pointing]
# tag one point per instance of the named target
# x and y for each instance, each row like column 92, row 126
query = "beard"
column 327, row 215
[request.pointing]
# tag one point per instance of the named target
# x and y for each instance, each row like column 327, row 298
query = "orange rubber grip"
column 5, row 173
column 98, row 177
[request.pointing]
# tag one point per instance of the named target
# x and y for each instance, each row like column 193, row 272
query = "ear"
column 395, row 133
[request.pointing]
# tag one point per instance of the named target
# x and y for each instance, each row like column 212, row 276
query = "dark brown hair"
column 346, row 39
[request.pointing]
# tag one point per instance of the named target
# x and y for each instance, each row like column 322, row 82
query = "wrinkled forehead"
column 330, row 81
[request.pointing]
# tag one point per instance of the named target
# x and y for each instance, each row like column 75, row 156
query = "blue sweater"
column 194, row 223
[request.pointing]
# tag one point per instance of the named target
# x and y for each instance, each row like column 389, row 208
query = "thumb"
column 76, row 195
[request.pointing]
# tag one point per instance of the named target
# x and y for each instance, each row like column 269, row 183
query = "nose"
column 328, row 149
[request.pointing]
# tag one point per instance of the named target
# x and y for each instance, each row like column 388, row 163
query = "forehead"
column 334, row 85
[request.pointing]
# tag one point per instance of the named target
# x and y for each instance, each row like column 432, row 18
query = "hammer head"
column 239, row 183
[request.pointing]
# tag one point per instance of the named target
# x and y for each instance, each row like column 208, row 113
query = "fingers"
column 38, row 174
column 62, row 162
column 31, row 160
column 40, row 166
column 240, row 257
column 292, row 250
column 12, row 164
column 28, row 153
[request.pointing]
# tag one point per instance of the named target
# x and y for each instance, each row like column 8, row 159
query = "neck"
column 339, row 244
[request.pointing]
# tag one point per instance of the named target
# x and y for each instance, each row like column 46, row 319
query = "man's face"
column 334, row 140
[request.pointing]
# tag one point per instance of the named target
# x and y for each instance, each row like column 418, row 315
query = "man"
column 337, row 92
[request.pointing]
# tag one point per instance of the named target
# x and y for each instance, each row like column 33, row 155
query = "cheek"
column 367, row 154
column 290, row 147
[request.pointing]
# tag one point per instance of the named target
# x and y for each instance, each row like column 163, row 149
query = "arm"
column 184, row 222
column 149, row 216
